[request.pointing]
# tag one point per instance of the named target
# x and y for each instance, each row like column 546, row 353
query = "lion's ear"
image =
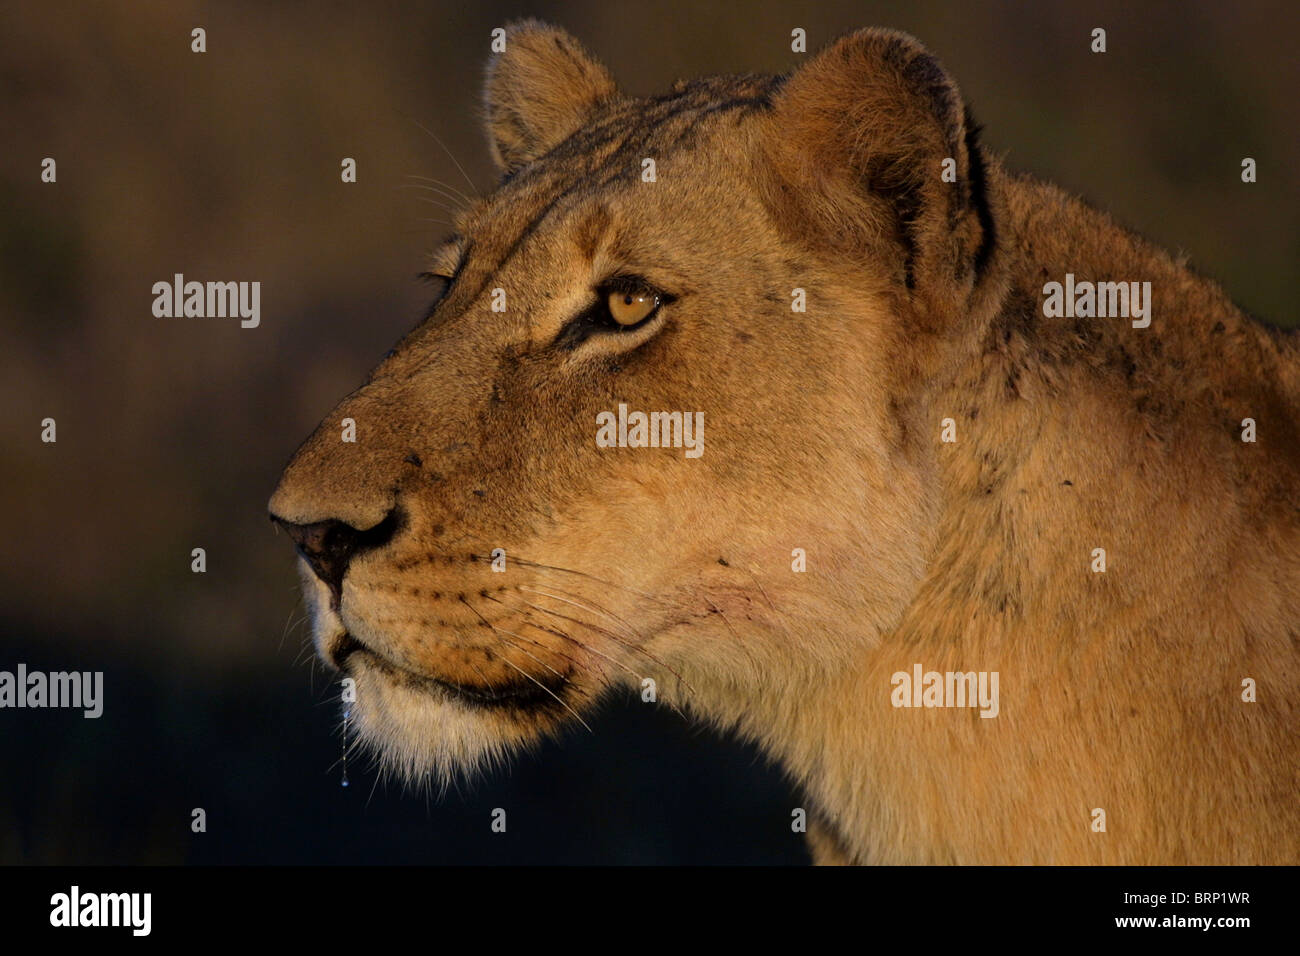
column 542, row 87
column 874, row 151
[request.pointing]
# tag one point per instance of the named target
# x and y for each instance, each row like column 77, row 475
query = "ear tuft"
column 540, row 89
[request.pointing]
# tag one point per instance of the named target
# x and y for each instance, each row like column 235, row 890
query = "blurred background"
column 172, row 432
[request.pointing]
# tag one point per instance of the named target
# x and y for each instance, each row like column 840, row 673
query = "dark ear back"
column 859, row 142
column 539, row 90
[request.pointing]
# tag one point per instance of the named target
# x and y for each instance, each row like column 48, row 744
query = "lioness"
column 996, row 574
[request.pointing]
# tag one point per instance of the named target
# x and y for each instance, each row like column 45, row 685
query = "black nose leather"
column 329, row 546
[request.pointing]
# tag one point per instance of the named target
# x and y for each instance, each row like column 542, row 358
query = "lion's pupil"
column 629, row 308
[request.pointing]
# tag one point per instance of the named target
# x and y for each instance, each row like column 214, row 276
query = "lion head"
column 775, row 264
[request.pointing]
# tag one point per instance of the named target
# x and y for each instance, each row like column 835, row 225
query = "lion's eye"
column 440, row 284
column 624, row 306
column 629, row 308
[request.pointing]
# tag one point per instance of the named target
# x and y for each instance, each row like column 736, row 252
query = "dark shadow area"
column 259, row 753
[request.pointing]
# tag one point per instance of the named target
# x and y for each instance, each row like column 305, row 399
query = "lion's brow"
column 609, row 145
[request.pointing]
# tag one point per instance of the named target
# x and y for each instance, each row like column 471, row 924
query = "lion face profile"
column 794, row 282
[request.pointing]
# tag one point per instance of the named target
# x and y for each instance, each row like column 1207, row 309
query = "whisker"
column 438, row 203
column 610, row 634
column 549, row 691
column 288, row 626
column 478, row 670
column 592, row 606
column 441, row 189
column 586, row 604
column 601, row 672
column 561, row 634
column 502, row 630
column 613, row 584
column 449, row 154
column 525, row 673
column 456, row 204
column 588, row 647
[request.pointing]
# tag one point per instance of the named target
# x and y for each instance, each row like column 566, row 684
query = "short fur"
column 1119, row 690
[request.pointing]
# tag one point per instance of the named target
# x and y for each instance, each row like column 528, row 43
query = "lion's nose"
column 329, row 546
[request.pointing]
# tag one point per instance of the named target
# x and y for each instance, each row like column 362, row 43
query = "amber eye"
column 629, row 308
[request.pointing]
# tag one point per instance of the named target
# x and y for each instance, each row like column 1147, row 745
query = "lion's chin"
column 425, row 732
column 427, row 729
column 523, row 693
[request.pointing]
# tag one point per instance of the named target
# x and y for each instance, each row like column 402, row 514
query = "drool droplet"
column 347, row 712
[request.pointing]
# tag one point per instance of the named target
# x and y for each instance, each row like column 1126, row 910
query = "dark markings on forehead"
column 612, row 146
column 593, row 227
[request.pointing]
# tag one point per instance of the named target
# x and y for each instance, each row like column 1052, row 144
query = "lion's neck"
column 1096, row 494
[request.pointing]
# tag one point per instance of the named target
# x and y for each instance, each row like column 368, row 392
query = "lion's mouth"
column 523, row 693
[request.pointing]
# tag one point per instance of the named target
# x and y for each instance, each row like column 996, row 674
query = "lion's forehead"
column 625, row 131
column 607, row 154
column 583, row 184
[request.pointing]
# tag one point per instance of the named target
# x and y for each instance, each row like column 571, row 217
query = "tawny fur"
column 1120, row 690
